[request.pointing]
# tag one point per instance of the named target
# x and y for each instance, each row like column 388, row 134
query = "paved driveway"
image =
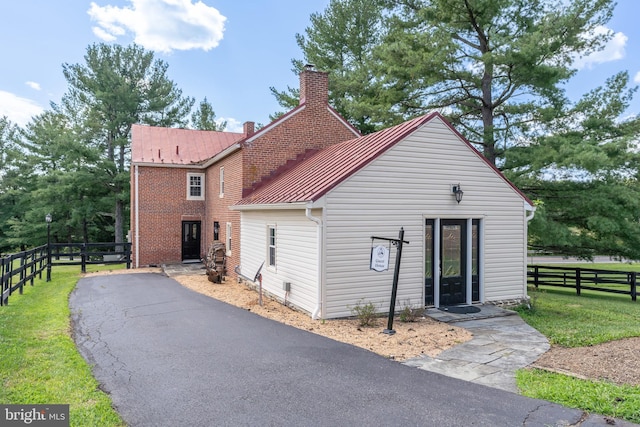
column 172, row 357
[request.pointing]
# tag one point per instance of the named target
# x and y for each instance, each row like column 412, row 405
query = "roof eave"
column 270, row 206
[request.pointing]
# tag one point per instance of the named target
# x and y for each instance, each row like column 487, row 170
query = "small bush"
column 408, row 314
column 366, row 313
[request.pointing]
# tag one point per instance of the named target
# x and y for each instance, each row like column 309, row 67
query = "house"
column 304, row 195
column 312, row 225
column 184, row 181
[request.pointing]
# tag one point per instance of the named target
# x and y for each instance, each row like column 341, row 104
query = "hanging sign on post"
column 379, row 258
column 394, row 287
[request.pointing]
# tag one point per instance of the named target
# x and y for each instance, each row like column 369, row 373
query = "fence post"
column 535, row 277
column 578, row 281
column 33, row 266
column 633, row 285
column 22, row 272
column 83, row 256
column 127, row 253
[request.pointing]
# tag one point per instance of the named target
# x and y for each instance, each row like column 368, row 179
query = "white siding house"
column 326, row 209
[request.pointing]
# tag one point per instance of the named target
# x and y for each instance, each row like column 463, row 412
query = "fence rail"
column 84, row 254
column 617, row 282
column 17, row 270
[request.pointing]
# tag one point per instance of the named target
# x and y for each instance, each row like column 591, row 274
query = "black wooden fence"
column 611, row 281
column 84, row 254
column 17, row 270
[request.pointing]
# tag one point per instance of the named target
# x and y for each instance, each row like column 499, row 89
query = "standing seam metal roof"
column 316, row 175
column 173, row 146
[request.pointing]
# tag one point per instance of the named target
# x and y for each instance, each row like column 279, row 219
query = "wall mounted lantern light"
column 457, row 192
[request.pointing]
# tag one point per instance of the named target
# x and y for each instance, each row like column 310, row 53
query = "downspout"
column 528, row 218
column 532, row 214
column 137, row 217
column 318, row 221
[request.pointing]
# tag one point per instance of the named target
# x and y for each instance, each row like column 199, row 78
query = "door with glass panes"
column 448, row 255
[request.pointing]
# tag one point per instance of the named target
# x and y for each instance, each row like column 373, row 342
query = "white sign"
column 379, row 258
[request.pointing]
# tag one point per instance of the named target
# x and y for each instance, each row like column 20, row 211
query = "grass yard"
column 39, row 363
column 569, row 320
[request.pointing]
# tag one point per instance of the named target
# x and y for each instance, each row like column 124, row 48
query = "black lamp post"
column 48, row 219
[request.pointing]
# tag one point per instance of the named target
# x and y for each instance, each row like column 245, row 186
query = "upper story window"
column 195, row 186
column 221, row 181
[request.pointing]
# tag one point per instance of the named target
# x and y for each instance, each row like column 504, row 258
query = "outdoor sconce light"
column 457, row 191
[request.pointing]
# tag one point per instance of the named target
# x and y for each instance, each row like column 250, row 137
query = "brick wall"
column 217, row 207
column 163, row 205
column 311, row 126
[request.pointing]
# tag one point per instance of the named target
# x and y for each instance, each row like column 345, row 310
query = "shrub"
column 408, row 314
column 366, row 313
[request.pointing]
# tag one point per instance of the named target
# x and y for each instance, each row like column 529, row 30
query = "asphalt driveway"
column 172, row 357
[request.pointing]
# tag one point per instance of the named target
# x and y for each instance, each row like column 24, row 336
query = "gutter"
column 318, row 221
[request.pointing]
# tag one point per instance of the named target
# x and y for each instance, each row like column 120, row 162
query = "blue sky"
column 230, row 51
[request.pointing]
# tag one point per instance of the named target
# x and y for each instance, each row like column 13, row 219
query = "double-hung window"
column 271, row 238
column 195, row 186
column 228, row 239
column 222, row 181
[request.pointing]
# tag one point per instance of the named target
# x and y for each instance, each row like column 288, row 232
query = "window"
column 222, row 181
column 228, row 238
column 195, row 186
column 216, row 230
column 272, row 245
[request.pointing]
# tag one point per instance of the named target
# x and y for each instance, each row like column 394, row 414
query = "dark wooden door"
column 453, row 255
column 191, row 240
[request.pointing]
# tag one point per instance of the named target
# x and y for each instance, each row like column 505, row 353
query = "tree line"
column 497, row 69
column 72, row 161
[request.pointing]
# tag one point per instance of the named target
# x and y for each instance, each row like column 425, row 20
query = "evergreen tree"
column 204, row 118
column 341, row 40
column 115, row 88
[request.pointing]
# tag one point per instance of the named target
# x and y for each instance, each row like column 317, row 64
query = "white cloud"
column 613, row 50
column 18, row 110
column 33, row 85
column 233, row 125
column 636, row 78
column 161, row 25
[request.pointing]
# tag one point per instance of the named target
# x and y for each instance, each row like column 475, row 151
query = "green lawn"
column 39, row 363
column 574, row 321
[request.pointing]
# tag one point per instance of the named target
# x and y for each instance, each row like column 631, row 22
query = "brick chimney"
column 314, row 86
column 248, row 128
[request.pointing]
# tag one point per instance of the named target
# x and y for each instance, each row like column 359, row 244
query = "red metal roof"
column 316, row 175
column 171, row 146
column 313, row 177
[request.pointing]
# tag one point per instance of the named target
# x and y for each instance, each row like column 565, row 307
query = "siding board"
column 409, row 182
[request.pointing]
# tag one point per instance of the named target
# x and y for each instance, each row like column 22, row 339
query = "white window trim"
column 221, row 181
column 228, row 239
column 270, row 246
column 189, row 196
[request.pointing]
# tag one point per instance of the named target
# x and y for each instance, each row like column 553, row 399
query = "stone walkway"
column 502, row 343
column 195, row 267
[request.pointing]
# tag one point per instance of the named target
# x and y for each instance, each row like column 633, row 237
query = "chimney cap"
column 309, row 67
